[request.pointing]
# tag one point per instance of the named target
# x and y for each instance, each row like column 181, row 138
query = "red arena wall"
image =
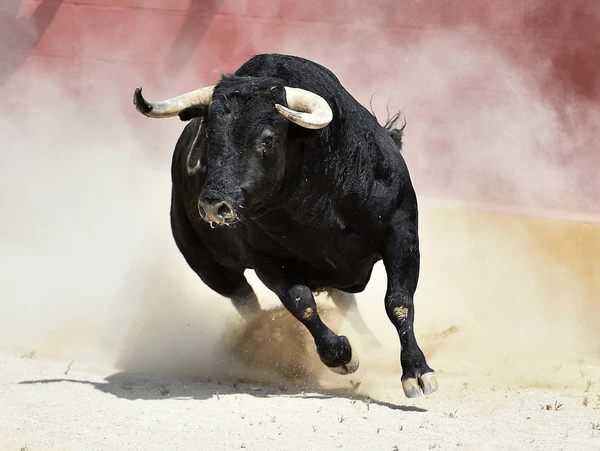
column 529, row 67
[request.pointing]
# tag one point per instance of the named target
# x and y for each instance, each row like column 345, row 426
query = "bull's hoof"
column 425, row 384
column 347, row 368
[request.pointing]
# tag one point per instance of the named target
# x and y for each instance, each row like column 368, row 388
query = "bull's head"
column 246, row 132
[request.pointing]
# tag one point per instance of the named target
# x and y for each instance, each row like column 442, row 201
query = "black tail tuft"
column 395, row 132
column 390, row 125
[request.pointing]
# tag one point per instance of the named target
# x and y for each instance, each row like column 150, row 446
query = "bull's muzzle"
column 216, row 211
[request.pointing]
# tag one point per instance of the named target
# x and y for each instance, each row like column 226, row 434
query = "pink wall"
column 99, row 49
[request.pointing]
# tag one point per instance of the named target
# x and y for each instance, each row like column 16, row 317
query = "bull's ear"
column 190, row 113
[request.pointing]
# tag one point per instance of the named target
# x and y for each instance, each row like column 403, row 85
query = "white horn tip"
column 306, row 120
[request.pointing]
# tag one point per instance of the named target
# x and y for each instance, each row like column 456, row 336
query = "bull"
column 282, row 171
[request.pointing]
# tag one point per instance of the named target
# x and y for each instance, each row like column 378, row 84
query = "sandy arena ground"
column 512, row 332
column 58, row 404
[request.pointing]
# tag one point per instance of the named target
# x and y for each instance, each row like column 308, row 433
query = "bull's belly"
column 344, row 261
column 351, row 280
column 334, row 260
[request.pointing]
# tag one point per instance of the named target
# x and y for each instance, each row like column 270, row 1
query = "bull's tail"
column 396, row 132
column 390, row 125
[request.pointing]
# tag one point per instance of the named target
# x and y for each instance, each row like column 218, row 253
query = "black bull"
column 282, row 171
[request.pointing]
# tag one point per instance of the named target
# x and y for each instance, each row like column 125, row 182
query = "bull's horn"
column 172, row 107
column 306, row 109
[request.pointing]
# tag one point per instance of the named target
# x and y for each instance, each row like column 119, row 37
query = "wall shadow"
column 20, row 35
column 197, row 22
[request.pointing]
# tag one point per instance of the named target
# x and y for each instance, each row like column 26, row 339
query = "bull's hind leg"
column 229, row 283
column 334, row 350
column 225, row 281
column 346, row 304
column 401, row 258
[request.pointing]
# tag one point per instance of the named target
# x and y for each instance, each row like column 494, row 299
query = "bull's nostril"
column 215, row 211
column 224, row 210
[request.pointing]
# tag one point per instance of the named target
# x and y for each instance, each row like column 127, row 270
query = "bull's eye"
column 268, row 140
column 264, row 148
column 265, row 142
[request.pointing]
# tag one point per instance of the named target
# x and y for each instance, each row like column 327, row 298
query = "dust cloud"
column 89, row 271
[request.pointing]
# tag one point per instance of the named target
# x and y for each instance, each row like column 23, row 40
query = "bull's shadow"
column 147, row 386
column 271, row 356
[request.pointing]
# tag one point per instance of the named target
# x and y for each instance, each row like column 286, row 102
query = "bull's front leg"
column 334, row 350
column 402, row 259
